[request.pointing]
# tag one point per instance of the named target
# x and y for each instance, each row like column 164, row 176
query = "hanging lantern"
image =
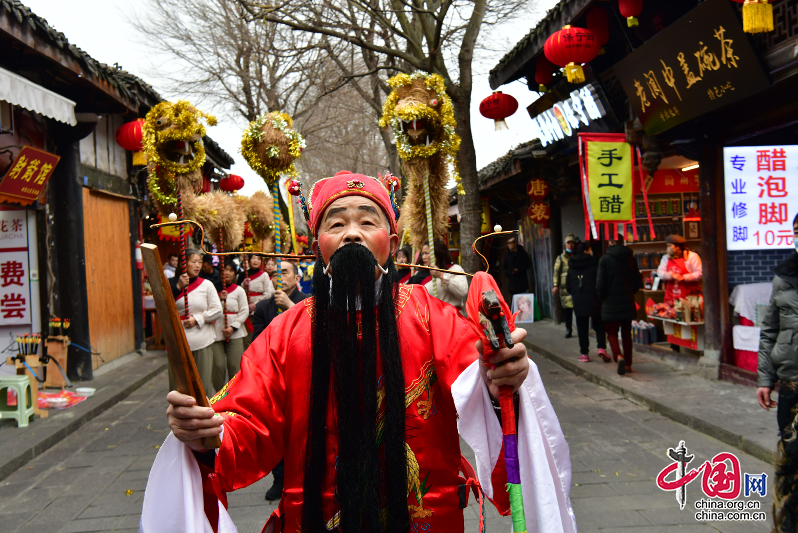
column 231, row 183
column 630, row 9
column 597, row 23
column 498, row 106
column 129, row 136
column 757, row 15
column 569, row 48
column 544, row 72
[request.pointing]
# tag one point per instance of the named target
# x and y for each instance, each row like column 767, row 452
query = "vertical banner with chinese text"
column 607, row 169
column 761, row 186
column 14, row 274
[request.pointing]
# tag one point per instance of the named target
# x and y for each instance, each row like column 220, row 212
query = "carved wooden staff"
column 181, row 361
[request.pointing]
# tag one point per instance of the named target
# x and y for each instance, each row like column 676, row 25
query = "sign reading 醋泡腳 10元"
column 14, row 270
column 561, row 120
column 761, row 186
column 700, row 63
column 27, row 177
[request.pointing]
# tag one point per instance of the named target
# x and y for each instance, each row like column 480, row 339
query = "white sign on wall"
column 567, row 116
column 15, row 305
column 761, row 185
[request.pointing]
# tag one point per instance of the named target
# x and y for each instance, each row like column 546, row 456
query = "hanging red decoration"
column 539, row 212
column 597, row 23
column 630, row 9
column 544, row 72
column 231, row 183
column 569, row 48
column 498, row 106
column 537, row 189
column 129, row 136
column 757, row 15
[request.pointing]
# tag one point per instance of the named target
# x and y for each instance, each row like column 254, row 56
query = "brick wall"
column 753, row 266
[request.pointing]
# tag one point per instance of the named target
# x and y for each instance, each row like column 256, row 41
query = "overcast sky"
column 101, row 28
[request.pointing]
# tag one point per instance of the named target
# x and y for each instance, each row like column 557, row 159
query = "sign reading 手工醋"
column 700, row 63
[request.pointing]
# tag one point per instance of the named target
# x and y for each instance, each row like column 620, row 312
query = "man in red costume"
column 363, row 389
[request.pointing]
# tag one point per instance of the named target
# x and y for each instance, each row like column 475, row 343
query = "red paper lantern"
column 757, row 15
column 498, row 106
column 129, row 136
column 569, row 48
column 231, row 183
column 544, row 72
column 537, row 189
column 630, row 9
column 597, row 23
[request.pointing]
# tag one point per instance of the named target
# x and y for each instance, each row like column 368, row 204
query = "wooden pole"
column 181, row 360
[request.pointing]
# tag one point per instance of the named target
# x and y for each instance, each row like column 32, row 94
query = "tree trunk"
column 468, row 204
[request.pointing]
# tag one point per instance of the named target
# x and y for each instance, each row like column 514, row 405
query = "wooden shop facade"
column 713, row 112
column 71, row 200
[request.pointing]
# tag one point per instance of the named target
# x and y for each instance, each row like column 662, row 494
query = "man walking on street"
column 560, row 275
column 581, row 284
column 618, row 281
column 266, row 311
column 516, row 264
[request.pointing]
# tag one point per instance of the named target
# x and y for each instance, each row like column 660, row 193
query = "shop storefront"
column 712, row 111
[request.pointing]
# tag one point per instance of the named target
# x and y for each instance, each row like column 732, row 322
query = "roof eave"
column 563, row 14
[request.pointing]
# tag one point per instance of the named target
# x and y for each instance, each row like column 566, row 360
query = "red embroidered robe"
column 265, row 410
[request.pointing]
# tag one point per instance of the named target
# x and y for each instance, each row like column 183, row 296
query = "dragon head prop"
column 271, row 145
column 422, row 118
column 173, row 136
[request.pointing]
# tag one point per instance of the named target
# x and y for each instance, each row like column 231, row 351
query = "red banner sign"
column 24, row 183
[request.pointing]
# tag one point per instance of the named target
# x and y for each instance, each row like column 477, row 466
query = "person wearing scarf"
column 204, row 307
column 229, row 345
column 404, row 255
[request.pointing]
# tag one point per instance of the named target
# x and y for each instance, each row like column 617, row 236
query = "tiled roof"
column 131, row 87
column 513, row 61
column 522, row 151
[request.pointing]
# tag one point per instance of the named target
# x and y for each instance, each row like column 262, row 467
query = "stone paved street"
column 617, row 449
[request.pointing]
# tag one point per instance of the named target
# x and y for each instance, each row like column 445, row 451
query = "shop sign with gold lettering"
column 700, row 63
column 27, row 177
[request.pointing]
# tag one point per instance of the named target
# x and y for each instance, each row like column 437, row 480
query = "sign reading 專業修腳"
column 700, row 63
column 761, row 185
column 14, row 270
column 27, row 177
column 565, row 117
column 609, row 171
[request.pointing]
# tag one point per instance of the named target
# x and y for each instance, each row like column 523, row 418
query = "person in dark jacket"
column 516, row 264
column 266, row 311
column 580, row 282
column 617, row 282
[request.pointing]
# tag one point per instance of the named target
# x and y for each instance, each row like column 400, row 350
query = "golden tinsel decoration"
column 258, row 212
column 217, row 210
column 271, row 145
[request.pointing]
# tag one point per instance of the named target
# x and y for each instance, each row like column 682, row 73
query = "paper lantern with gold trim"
column 630, row 9
column 231, row 183
column 544, row 72
column 498, row 106
column 569, row 48
column 757, row 15
column 129, row 136
column 596, row 21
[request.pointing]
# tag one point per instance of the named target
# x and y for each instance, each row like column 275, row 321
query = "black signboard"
column 702, row 62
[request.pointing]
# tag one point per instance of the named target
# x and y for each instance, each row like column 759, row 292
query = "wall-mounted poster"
column 524, row 305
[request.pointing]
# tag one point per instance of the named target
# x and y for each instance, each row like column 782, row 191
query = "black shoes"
column 621, row 367
column 568, row 334
column 276, row 491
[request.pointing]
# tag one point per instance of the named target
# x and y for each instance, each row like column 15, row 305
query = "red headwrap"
column 345, row 183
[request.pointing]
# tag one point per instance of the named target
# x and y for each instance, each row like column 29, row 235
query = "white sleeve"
column 214, row 309
column 458, row 285
column 268, row 289
column 662, row 270
column 542, row 450
column 243, row 309
column 694, row 267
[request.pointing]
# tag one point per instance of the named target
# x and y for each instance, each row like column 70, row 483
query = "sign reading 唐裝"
column 698, row 64
column 761, row 185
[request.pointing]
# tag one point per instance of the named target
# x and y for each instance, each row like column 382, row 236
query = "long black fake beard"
column 369, row 479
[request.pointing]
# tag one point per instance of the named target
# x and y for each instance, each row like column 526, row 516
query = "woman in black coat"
column 617, row 282
column 581, row 285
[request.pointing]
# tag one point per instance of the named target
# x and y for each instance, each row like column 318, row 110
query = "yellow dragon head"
column 422, row 117
column 173, row 137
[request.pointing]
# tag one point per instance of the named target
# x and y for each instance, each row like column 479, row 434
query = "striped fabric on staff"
column 511, row 459
column 430, row 237
column 276, row 201
column 184, row 294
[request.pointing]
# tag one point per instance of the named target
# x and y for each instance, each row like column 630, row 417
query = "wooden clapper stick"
column 181, row 361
